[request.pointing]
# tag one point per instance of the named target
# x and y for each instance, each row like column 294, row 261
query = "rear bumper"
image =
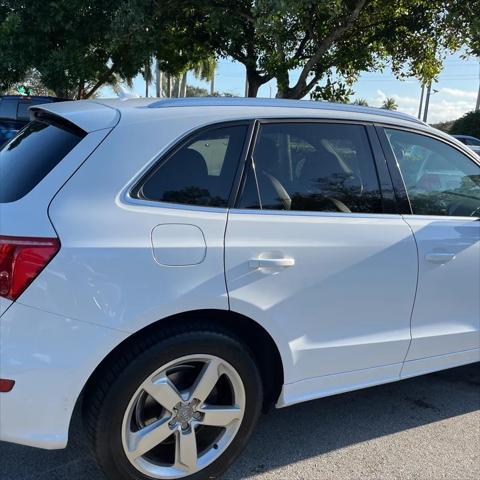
column 50, row 357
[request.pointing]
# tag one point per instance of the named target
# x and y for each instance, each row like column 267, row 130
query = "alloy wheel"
column 183, row 417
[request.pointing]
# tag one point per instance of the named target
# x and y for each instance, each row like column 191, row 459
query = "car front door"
column 443, row 187
column 312, row 255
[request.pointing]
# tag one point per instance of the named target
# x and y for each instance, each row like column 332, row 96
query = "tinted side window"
column 439, row 179
column 473, row 142
column 199, row 173
column 313, row 167
column 31, row 155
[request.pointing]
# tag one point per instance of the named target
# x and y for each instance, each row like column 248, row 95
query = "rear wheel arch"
column 242, row 328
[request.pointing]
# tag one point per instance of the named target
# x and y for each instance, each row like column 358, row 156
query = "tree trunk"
column 254, row 81
column 295, row 93
column 178, row 86
column 169, row 86
column 212, row 84
column 158, row 81
column 252, row 91
column 183, row 85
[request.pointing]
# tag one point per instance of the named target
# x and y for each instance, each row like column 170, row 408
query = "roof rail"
column 278, row 102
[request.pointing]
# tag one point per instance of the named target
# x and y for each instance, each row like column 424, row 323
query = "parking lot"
column 423, row 428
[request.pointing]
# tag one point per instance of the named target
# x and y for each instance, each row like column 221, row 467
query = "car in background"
column 471, row 142
column 14, row 113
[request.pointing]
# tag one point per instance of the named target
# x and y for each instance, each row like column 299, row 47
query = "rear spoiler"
column 87, row 115
column 61, row 122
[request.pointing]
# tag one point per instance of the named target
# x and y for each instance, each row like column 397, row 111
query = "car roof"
column 28, row 97
column 14, row 107
column 218, row 109
column 194, row 113
column 278, row 103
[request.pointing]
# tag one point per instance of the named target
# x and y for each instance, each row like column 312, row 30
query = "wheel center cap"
column 185, row 412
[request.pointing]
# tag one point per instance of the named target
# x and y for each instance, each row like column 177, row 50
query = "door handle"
column 435, row 257
column 271, row 262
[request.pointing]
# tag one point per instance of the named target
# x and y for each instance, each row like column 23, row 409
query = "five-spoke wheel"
column 194, row 405
column 178, row 405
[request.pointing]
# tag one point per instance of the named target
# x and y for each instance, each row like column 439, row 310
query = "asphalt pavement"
column 423, row 428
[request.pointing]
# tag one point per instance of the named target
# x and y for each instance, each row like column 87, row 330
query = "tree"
column 205, row 70
column 328, row 41
column 196, row 91
column 469, row 124
column 78, row 46
column 389, row 104
column 361, row 102
column 33, row 82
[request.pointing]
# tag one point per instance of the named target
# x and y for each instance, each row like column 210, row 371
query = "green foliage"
column 469, row 124
column 203, row 92
column 32, row 83
column 389, row 104
column 197, row 91
column 272, row 38
column 362, row 102
column 77, row 46
column 444, row 126
column 332, row 91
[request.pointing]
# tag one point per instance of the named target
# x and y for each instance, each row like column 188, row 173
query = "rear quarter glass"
column 32, row 154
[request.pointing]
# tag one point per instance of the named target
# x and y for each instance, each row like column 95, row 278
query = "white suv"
column 182, row 265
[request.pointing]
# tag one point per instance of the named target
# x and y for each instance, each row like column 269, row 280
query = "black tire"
column 111, row 391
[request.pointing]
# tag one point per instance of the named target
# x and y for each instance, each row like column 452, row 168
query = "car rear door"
column 443, row 187
column 315, row 254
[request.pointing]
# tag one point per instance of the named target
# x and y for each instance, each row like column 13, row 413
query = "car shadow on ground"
column 293, row 434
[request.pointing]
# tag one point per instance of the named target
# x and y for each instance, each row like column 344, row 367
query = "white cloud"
column 442, row 110
column 455, row 92
column 442, row 106
column 400, row 99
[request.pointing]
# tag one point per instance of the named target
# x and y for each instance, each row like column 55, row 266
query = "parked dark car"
column 471, row 142
column 14, row 112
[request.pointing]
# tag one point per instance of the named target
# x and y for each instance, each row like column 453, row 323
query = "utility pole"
column 477, row 108
column 427, row 102
column 421, row 102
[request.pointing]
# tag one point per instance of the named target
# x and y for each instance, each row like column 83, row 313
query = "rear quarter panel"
column 105, row 272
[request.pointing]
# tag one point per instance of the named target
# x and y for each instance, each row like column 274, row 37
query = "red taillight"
column 6, row 385
column 21, row 260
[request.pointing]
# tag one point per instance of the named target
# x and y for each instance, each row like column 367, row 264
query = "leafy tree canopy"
column 330, row 40
column 317, row 46
column 77, row 46
column 469, row 124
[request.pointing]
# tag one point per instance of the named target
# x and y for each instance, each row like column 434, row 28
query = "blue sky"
column 457, row 87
